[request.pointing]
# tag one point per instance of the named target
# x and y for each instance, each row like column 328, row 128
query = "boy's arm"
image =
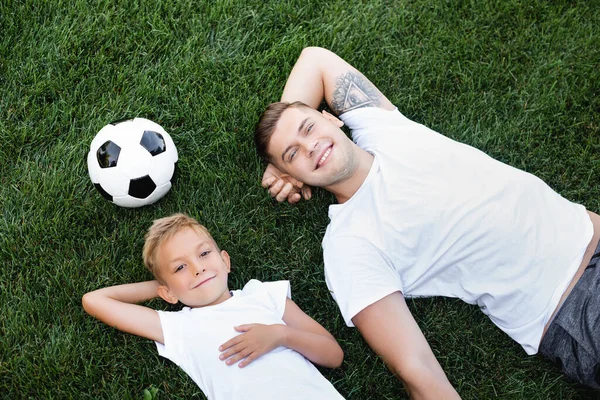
column 390, row 329
column 301, row 333
column 309, row 338
column 116, row 306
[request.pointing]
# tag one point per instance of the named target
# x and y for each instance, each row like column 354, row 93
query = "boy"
column 258, row 327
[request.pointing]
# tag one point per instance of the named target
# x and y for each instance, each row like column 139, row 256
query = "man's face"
column 193, row 269
column 311, row 147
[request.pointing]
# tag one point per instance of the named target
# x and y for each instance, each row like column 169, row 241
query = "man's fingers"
column 268, row 181
column 285, row 191
column 306, row 192
column 276, row 188
column 294, row 197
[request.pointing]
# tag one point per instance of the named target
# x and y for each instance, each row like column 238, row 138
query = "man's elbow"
column 423, row 380
column 313, row 53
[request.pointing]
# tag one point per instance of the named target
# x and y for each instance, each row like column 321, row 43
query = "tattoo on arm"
column 352, row 90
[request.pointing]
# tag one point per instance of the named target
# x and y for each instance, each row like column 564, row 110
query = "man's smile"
column 324, row 156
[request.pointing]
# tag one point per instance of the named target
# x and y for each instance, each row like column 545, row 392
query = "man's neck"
column 345, row 189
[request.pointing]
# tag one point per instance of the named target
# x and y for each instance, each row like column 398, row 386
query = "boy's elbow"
column 87, row 301
column 339, row 358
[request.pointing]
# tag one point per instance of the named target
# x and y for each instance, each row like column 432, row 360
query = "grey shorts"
column 573, row 338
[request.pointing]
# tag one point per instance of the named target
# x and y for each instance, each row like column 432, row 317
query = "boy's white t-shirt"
column 436, row 217
column 193, row 335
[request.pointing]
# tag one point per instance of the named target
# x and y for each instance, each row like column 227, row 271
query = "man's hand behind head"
column 282, row 186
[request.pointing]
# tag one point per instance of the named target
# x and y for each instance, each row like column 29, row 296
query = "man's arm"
column 391, row 331
column 116, row 306
column 321, row 74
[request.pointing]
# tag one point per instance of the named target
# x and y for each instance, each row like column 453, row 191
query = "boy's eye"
column 293, row 154
column 204, row 253
column 179, row 268
column 310, row 127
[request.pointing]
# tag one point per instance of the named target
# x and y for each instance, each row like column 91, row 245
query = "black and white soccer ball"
column 132, row 162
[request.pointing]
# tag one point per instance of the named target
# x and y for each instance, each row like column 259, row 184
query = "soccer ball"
column 131, row 162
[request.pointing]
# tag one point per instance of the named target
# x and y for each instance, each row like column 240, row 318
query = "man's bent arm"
column 391, row 331
column 321, row 74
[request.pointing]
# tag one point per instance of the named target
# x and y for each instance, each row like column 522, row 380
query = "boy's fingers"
column 230, row 342
column 248, row 360
column 237, row 357
column 231, row 351
column 242, row 328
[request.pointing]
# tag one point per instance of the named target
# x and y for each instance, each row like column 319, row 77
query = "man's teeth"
column 322, row 160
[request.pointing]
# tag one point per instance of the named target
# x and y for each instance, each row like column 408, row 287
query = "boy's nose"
column 199, row 269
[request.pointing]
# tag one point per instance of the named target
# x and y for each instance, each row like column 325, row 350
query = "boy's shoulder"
column 254, row 286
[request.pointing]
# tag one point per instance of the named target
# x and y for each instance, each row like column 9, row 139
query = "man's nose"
column 311, row 147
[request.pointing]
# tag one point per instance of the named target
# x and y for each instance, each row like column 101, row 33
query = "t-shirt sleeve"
column 171, row 335
column 357, row 275
column 277, row 292
column 365, row 119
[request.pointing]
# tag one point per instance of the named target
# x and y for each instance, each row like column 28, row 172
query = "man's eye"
column 310, row 127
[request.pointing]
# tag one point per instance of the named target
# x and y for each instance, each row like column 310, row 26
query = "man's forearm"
column 305, row 82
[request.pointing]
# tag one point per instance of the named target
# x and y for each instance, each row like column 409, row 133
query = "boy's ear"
column 332, row 118
column 166, row 295
column 226, row 260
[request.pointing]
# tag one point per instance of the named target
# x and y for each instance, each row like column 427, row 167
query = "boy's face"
column 193, row 269
column 311, row 147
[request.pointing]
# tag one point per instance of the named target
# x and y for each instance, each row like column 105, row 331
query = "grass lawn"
column 518, row 79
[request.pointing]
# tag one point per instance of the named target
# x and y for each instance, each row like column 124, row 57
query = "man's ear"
column 333, row 119
column 226, row 260
column 166, row 295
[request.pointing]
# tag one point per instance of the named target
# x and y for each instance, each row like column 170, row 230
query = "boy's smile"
column 193, row 270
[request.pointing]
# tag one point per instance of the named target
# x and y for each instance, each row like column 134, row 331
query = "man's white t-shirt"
column 436, row 217
column 193, row 335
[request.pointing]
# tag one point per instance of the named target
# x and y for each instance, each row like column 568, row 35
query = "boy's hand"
column 256, row 340
column 282, row 186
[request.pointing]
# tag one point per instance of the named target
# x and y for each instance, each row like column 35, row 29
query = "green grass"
column 517, row 79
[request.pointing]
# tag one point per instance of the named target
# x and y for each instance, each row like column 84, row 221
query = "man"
column 419, row 214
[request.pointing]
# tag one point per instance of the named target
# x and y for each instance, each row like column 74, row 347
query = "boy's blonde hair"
column 163, row 229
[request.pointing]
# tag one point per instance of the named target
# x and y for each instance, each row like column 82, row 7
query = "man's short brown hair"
column 266, row 126
column 163, row 229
